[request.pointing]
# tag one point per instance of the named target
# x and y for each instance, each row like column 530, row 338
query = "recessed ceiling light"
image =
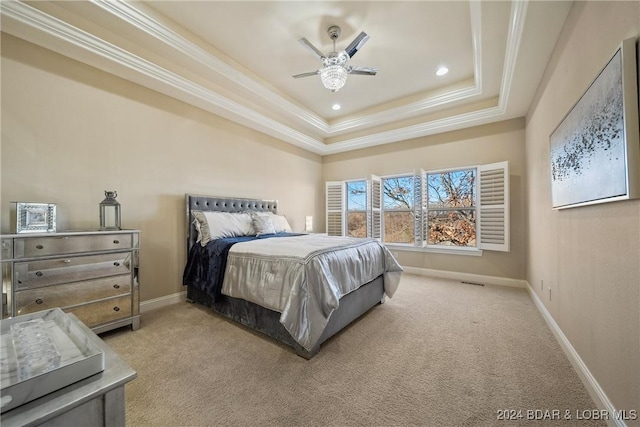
column 442, row 71
column 336, row 107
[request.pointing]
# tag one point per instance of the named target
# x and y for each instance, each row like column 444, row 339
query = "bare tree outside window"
column 357, row 209
column 451, row 208
column 397, row 207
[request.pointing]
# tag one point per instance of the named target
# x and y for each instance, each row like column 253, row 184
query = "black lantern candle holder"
column 110, row 212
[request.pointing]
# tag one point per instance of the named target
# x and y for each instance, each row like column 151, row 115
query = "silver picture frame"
column 35, row 217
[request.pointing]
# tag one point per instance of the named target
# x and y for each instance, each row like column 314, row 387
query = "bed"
column 299, row 289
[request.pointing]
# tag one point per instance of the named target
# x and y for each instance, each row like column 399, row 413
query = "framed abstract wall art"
column 595, row 150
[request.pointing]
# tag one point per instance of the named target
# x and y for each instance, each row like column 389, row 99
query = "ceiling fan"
column 334, row 69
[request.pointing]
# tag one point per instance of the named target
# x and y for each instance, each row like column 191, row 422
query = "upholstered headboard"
column 222, row 204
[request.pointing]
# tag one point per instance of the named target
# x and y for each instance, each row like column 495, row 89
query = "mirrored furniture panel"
column 92, row 274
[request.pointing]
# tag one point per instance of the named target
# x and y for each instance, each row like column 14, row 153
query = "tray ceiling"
column 236, row 59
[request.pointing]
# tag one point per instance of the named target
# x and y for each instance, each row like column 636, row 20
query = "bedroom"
column 153, row 149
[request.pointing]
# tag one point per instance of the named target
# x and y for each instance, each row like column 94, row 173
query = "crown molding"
column 33, row 25
column 404, row 111
column 516, row 28
column 145, row 73
column 143, row 20
column 476, row 40
column 459, row 121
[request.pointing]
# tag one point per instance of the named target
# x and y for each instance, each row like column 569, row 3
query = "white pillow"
column 216, row 225
column 280, row 223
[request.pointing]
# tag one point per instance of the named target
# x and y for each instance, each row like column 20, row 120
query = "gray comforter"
column 304, row 277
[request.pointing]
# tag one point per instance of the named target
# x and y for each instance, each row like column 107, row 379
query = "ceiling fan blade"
column 356, row 44
column 364, row 71
column 304, row 42
column 313, row 73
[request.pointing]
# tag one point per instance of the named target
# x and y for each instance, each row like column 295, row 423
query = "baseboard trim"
column 467, row 277
column 591, row 384
column 155, row 303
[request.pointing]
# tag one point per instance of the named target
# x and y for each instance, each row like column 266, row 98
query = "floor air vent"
column 471, row 283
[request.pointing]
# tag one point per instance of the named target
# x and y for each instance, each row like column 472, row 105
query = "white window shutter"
column 419, row 207
column 374, row 212
column 335, row 208
column 493, row 211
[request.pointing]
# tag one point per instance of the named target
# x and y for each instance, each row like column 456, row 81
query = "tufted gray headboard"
column 222, row 204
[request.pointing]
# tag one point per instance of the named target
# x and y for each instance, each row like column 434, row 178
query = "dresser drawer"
column 35, row 274
column 61, row 245
column 71, row 294
column 102, row 311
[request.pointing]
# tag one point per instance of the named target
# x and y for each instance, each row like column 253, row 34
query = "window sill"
column 436, row 250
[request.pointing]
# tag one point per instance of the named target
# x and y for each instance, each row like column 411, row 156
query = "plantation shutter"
column 374, row 212
column 493, row 212
column 419, row 208
column 335, row 208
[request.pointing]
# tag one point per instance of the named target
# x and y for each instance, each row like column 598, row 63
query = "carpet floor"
column 440, row 353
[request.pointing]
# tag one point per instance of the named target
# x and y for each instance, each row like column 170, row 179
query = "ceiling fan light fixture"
column 333, row 77
column 334, row 72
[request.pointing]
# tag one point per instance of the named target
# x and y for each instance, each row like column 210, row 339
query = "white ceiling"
column 236, row 59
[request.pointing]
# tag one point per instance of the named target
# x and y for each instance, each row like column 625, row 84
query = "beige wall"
column 479, row 145
column 69, row 132
column 589, row 256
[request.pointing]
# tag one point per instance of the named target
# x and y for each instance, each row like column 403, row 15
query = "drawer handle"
column 117, row 264
column 67, row 261
column 39, row 247
column 39, row 273
column 116, row 242
column 39, row 301
column 116, row 308
column 116, row 286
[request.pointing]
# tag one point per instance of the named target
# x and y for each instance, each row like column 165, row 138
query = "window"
column 398, row 209
column 357, row 208
column 452, row 209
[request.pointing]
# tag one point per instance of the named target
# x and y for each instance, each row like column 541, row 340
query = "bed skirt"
column 253, row 316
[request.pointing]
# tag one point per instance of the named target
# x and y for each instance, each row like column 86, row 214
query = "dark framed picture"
column 35, row 217
column 595, row 150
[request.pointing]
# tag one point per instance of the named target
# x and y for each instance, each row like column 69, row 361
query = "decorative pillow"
column 216, row 225
column 280, row 223
column 200, row 223
column 262, row 224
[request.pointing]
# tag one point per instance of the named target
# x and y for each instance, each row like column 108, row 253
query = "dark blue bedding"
column 206, row 265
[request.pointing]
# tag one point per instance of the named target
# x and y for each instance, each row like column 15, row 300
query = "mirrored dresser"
column 92, row 274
